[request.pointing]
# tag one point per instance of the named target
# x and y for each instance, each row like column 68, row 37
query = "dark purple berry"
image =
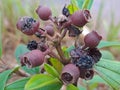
column 86, row 74
column 32, row 45
column 80, row 18
column 33, row 58
column 81, row 58
column 43, row 12
column 85, row 62
column 89, row 74
column 27, row 25
column 70, row 74
column 92, row 39
column 95, row 54
column 65, row 11
column 73, row 31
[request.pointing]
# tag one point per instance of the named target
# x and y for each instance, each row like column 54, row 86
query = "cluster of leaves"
column 107, row 72
column 107, row 68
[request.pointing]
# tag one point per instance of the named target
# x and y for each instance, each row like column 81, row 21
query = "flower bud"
column 43, row 12
column 33, row 58
column 80, row 18
column 70, row 74
column 27, row 25
column 92, row 39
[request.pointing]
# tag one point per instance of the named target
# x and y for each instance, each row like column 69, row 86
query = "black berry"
column 65, row 11
column 32, row 45
column 85, row 62
column 95, row 54
column 73, row 31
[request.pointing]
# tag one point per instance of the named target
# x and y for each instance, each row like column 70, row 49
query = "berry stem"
column 54, row 55
column 45, row 34
column 61, row 54
column 62, row 35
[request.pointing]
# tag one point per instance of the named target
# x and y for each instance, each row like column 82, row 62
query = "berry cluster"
column 82, row 58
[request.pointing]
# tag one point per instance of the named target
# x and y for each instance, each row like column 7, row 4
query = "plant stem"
column 61, row 54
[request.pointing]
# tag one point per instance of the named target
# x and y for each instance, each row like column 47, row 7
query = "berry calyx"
column 43, row 12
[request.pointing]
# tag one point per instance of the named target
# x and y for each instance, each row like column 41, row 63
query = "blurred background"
column 105, row 20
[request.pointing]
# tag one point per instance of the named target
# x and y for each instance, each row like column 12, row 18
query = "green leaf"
column 107, row 55
column 87, row 4
column 32, row 71
column 103, row 44
column 110, row 72
column 97, row 79
column 17, row 85
column 0, row 35
column 56, row 64
column 20, row 50
column 75, row 2
column 72, row 8
column 110, row 77
column 71, row 87
column 4, row 77
column 111, row 65
column 43, row 82
column 80, row 3
column 51, row 70
column 90, row 4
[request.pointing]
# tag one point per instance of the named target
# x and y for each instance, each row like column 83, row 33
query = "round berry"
column 33, row 58
column 92, row 39
column 49, row 29
column 95, row 54
column 89, row 74
column 70, row 74
column 27, row 25
column 32, row 45
column 43, row 12
column 85, row 62
column 80, row 18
